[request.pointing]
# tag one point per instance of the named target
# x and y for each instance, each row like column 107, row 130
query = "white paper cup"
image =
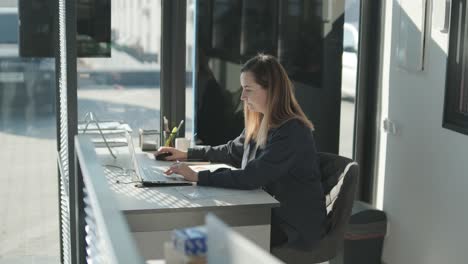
column 182, row 144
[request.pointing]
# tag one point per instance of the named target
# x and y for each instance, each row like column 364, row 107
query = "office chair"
column 339, row 181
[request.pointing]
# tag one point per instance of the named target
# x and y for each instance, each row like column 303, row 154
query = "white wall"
column 426, row 180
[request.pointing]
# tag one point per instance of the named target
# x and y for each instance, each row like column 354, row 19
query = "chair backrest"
column 339, row 181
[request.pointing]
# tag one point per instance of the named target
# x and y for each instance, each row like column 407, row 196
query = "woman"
column 276, row 151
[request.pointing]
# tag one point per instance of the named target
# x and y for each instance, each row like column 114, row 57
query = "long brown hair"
column 281, row 102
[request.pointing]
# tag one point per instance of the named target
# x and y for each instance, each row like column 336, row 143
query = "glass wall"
column 190, row 56
column 125, row 86
column 456, row 88
column 29, row 228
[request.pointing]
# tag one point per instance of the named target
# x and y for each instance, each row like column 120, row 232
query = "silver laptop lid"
column 134, row 160
column 138, row 170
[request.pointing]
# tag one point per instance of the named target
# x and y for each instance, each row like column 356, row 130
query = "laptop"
column 152, row 175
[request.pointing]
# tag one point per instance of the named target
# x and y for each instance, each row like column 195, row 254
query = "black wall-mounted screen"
column 36, row 28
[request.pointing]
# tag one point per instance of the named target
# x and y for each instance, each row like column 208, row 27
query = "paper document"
column 211, row 167
column 113, row 142
column 117, row 132
column 102, row 125
column 105, row 127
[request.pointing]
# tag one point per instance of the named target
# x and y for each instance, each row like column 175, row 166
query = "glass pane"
column 308, row 44
column 464, row 99
column 189, row 52
column 301, row 36
column 463, row 104
column 125, row 86
column 348, row 76
column 258, row 27
column 456, row 90
column 226, row 28
column 218, row 113
column 349, row 38
column 29, row 228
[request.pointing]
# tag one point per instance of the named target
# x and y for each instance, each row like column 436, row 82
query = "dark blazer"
column 287, row 168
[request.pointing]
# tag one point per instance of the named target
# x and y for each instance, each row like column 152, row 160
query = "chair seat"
column 324, row 251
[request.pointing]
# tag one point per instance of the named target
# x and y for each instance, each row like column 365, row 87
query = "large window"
column 29, row 228
column 456, row 94
column 125, row 85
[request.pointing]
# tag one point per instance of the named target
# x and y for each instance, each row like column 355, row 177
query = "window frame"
column 457, row 69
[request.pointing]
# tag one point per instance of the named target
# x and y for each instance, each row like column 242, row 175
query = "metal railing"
column 102, row 234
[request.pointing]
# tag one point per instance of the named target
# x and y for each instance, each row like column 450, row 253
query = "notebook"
column 152, row 176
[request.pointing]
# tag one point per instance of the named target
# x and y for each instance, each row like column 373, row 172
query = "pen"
column 166, row 124
column 180, row 125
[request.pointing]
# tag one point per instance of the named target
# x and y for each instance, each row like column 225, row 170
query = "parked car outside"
column 349, row 60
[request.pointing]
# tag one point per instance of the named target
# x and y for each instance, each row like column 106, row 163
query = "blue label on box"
column 190, row 241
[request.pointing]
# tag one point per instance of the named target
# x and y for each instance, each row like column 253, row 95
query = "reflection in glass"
column 189, row 46
column 204, row 22
column 463, row 101
column 218, row 105
column 349, row 76
column 300, row 40
column 293, row 31
column 456, row 87
column 226, row 28
column 259, row 27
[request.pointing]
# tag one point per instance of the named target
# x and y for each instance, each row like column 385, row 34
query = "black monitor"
column 36, row 28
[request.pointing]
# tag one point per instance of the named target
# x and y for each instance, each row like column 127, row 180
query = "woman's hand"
column 175, row 153
column 184, row 170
